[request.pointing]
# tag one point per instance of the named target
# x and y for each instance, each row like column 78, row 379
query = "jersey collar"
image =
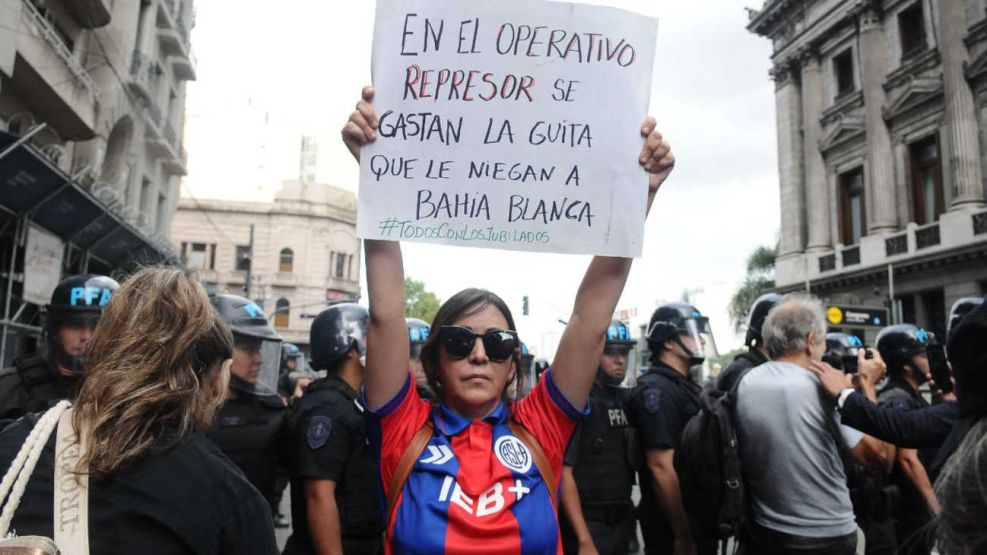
column 449, row 423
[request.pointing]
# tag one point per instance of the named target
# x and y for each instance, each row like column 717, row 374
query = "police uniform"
column 603, row 453
column 187, row 499
column 32, row 384
column 660, row 406
column 329, row 442
column 912, row 512
column 252, row 430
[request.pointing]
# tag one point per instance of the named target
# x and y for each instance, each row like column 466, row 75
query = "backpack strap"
column 540, row 460
column 71, row 502
column 405, row 464
column 15, row 480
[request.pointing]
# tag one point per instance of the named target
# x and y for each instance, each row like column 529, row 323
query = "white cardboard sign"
column 508, row 124
column 43, row 255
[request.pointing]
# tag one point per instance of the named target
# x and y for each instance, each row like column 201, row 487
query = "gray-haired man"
column 790, row 439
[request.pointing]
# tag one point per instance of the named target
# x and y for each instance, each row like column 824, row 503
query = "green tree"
column 418, row 301
column 760, row 279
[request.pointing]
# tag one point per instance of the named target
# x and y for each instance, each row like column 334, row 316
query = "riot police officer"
column 842, row 350
column 251, row 426
column 661, row 404
column 903, row 348
column 756, row 354
column 334, row 503
column 960, row 309
column 599, row 465
column 417, row 336
column 36, row 382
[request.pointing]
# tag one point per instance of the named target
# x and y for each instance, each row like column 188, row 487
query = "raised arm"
column 388, row 355
column 582, row 342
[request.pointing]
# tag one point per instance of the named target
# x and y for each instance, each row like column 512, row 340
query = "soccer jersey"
column 475, row 487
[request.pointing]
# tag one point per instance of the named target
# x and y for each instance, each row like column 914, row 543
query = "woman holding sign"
column 476, row 471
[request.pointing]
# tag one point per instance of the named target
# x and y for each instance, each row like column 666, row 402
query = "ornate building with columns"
column 881, row 112
column 303, row 254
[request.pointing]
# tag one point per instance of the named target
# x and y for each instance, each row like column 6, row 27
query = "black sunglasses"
column 459, row 341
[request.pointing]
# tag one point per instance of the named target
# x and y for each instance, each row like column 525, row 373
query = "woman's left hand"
column 656, row 156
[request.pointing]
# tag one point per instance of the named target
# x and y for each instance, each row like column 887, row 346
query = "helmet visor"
column 255, row 365
column 698, row 330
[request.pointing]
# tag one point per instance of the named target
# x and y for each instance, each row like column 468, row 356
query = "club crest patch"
column 652, row 400
column 318, row 432
column 513, row 454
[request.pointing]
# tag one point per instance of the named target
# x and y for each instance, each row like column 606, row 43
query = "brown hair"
column 464, row 303
column 147, row 381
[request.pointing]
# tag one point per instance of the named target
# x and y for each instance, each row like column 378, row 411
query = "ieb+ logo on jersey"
column 513, row 454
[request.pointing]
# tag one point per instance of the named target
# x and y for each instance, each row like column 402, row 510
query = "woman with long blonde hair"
column 159, row 366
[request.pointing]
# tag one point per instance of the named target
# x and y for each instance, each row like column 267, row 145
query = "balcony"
column 980, row 223
column 51, row 36
column 90, row 14
column 284, row 279
column 185, row 66
column 173, row 28
column 851, row 256
column 955, row 230
column 927, row 236
column 144, row 76
column 163, row 140
column 896, row 244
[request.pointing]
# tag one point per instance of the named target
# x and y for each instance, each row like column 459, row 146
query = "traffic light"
column 524, row 307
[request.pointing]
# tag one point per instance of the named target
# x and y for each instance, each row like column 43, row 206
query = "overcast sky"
column 268, row 76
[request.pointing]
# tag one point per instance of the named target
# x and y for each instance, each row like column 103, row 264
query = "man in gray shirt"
column 789, row 432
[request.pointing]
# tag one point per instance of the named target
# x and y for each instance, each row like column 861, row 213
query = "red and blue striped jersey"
column 475, row 488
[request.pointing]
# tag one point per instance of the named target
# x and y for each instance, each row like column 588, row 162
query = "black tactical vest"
column 32, row 385
column 604, row 473
column 356, row 492
column 252, row 432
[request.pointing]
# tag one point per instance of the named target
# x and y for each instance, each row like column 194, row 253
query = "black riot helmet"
column 672, row 321
column 842, row 350
column 257, row 347
column 290, row 351
column 618, row 333
column 756, row 317
column 417, row 335
column 967, row 352
column 961, row 308
column 898, row 344
column 335, row 331
column 76, row 301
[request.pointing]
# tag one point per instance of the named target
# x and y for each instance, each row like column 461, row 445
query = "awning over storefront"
column 33, row 188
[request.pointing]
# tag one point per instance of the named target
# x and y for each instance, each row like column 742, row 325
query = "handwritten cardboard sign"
column 508, row 124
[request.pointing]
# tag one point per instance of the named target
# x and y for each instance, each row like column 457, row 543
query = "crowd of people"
column 404, row 436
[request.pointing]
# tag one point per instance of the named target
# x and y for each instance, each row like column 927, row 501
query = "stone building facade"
column 306, row 254
column 881, row 111
column 107, row 80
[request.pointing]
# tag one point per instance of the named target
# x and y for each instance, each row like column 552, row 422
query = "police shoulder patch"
column 318, row 431
column 652, row 400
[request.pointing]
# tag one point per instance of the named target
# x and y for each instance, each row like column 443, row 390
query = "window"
column 843, row 73
column 927, row 196
column 184, row 253
column 242, row 258
column 911, row 29
column 852, row 208
column 340, row 265
column 287, row 260
column 282, row 314
column 198, row 256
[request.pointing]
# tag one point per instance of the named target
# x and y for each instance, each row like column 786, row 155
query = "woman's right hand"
column 362, row 125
